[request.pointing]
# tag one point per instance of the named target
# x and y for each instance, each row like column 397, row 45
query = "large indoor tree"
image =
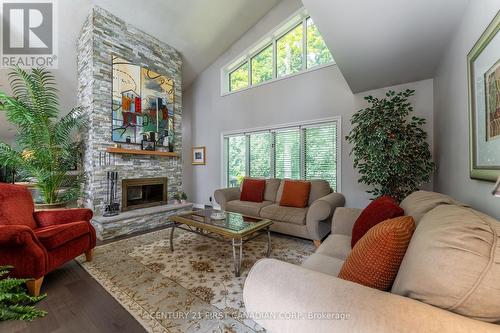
column 45, row 149
column 389, row 147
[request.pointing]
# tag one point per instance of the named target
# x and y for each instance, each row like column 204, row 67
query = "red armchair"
column 36, row 243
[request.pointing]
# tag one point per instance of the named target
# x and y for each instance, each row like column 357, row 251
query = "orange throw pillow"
column 295, row 193
column 375, row 259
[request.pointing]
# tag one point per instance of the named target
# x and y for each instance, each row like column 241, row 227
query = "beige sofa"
column 312, row 222
column 449, row 280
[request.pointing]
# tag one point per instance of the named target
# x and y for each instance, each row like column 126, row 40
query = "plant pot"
column 57, row 205
column 183, row 201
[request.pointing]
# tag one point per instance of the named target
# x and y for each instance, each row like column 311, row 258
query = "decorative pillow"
column 377, row 211
column 453, row 262
column 375, row 259
column 253, row 190
column 295, row 193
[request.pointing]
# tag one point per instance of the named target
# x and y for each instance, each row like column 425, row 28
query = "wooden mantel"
column 141, row 152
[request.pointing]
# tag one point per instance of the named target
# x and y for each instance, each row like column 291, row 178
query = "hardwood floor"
column 76, row 303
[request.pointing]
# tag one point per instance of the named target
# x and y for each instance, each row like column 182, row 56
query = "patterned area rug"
column 192, row 289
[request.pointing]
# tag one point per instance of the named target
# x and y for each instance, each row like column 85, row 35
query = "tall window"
column 260, row 147
column 305, row 151
column 287, row 153
column 236, row 159
column 294, row 46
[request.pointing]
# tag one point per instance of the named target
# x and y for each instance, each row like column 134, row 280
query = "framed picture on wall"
column 198, row 154
column 483, row 69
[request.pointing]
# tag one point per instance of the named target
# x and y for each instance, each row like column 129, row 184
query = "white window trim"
column 282, row 29
column 271, row 128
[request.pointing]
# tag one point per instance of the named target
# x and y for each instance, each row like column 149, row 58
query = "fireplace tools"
column 112, row 207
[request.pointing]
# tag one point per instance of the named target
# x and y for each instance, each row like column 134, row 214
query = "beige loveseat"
column 449, row 280
column 312, row 222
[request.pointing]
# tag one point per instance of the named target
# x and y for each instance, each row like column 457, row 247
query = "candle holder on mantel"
column 112, row 208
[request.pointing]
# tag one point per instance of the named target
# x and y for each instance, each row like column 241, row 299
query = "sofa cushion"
column 338, row 246
column 453, row 262
column 248, row 208
column 271, row 188
column 284, row 214
column 323, row 263
column 319, row 188
column 420, row 203
column 377, row 211
column 253, row 190
column 375, row 259
column 54, row 236
column 16, row 206
column 295, row 193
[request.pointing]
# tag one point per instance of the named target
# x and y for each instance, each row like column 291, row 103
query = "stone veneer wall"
column 102, row 36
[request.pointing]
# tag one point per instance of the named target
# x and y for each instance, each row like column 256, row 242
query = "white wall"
column 451, row 113
column 313, row 95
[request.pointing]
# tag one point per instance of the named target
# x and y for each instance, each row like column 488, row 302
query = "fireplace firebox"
column 143, row 192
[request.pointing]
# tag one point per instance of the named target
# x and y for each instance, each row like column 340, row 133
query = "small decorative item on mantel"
column 148, row 145
column 483, row 67
column 183, row 197
column 198, row 155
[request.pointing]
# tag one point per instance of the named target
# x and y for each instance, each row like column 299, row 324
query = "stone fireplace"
column 140, row 176
column 144, row 192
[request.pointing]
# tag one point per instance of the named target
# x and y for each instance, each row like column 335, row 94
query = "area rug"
column 192, row 289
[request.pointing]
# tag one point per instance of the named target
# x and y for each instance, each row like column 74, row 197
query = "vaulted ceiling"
column 379, row 43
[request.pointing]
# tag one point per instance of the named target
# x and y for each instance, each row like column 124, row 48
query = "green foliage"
column 260, row 148
column 262, row 65
column 46, row 150
column 239, row 78
column 289, row 52
column 184, row 196
column 317, row 52
column 15, row 303
column 390, row 150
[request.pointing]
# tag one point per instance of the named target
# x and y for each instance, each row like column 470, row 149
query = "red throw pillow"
column 253, row 190
column 374, row 261
column 378, row 210
column 295, row 193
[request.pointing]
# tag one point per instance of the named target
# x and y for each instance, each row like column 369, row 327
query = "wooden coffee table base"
column 237, row 243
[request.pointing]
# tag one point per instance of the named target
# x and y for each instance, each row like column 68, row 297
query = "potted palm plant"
column 45, row 150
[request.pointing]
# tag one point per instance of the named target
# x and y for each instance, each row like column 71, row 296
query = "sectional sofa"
column 449, row 280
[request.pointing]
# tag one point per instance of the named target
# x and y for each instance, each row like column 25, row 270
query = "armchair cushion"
column 54, row 236
column 16, row 206
column 47, row 218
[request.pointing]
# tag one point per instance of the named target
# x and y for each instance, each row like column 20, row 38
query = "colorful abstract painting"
column 143, row 104
column 492, row 83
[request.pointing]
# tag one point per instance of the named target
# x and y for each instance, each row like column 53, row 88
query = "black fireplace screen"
column 141, row 193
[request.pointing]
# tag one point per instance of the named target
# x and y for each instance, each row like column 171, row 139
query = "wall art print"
column 483, row 68
column 143, row 104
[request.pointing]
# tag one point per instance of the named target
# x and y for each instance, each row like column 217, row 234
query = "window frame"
column 296, row 19
column 302, row 125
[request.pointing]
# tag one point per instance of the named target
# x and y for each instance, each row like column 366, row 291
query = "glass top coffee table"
column 234, row 227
